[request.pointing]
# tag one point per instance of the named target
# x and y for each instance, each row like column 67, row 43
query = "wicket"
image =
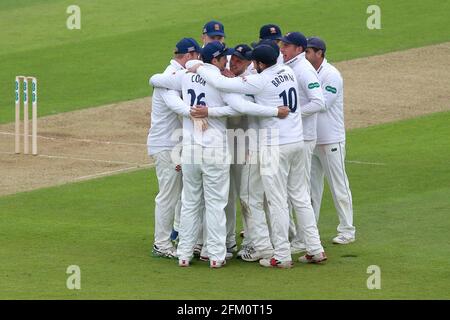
column 26, row 126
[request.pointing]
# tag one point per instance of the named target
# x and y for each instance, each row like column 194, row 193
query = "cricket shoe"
column 182, row 262
column 217, row 263
column 242, row 234
column 274, row 263
column 244, row 248
column 295, row 249
column 252, row 255
column 170, row 253
column 198, row 250
column 228, row 256
column 316, row 258
column 341, row 239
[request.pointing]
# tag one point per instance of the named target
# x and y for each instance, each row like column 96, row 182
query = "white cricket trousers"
column 230, row 212
column 295, row 233
column 328, row 160
column 252, row 205
column 230, row 209
column 284, row 178
column 169, row 195
column 210, row 181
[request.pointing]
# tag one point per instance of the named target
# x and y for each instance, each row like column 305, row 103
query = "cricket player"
column 312, row 101
column 205, row 159
column 282, row 153
column 329, row 153
column 166, row 106
column 213, row 31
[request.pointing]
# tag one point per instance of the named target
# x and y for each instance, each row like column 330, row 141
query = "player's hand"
column 227, row 73
column 194, row 68
column 283, row 112
column 199, row 111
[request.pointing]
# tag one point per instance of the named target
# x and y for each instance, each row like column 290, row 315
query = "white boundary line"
column 80, row 159
column 82, row 140
column 369, row 163
column 112, row 172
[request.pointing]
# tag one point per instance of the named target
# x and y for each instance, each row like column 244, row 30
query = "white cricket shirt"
column 311, row 97
column 330, row 124
column 164, row 115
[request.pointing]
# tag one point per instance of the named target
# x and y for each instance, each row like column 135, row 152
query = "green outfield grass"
column 105, row 226
column 122, row 42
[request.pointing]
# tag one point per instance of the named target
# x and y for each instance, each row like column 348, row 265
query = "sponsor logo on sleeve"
column 313, row 85
column 331, row 89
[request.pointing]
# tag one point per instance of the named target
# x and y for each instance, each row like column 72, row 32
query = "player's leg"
column 245, row 210
column 216, row 183
column 334, row 166
column 200, row 242
column 190, row 216
column 274, row 175
column 317, row 180
column 170, row 185
column 292, row 223
column 252, row 204
column 230, row 210
column 298, row 244
column 301, row 201
column 176, row 223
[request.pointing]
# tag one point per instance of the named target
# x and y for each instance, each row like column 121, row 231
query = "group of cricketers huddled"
column 260, row 123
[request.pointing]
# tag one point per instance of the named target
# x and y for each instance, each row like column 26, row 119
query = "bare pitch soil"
column 104, row 140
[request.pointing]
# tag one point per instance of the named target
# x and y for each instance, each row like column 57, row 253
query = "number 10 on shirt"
column 290, row 99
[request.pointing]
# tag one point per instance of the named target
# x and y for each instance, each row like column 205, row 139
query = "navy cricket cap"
column 214, row 28
column 242, row 51
column 270, row 31
column 315, row 42
column 214, row 49
column 295, row 38
column 264, row 53
column 268, row 42
column 186, row 45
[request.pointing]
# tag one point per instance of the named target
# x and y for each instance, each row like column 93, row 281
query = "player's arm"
column 225, row 111
column 251, row 84
column 168, row 80
column 311, row 86
column 238, row 103
column 332, row 87
column 173, row 100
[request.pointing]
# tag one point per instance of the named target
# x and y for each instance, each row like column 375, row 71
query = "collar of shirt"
column 176, row 65
column 324, row 62
column 295, row 59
